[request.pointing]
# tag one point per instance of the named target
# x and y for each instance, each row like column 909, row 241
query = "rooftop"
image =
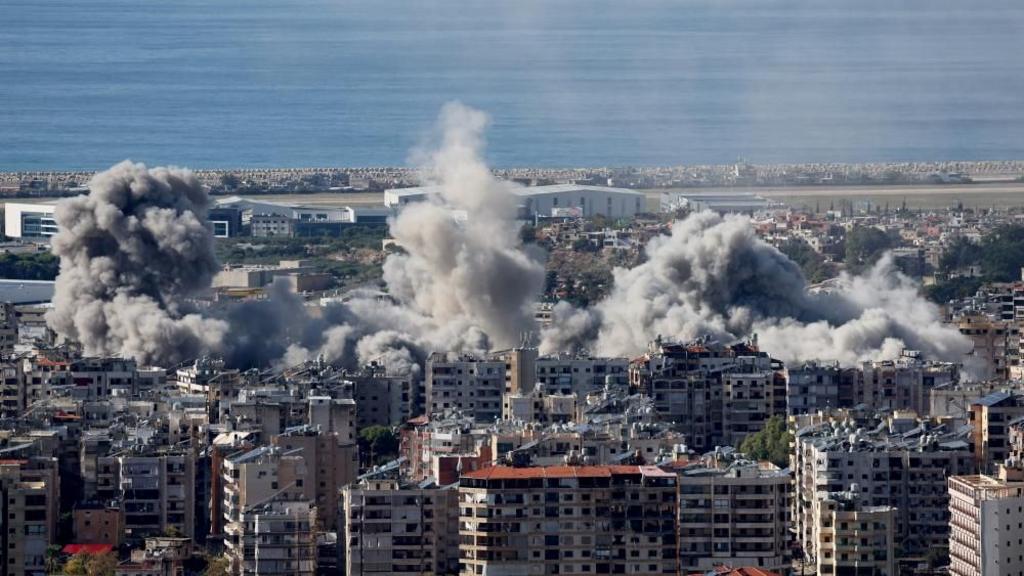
column 513, row 473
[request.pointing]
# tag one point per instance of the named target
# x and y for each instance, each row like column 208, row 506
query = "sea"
column 301, row 83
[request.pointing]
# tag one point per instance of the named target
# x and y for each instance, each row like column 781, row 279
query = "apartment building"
column 990, row 419
column 470, row 385
column 155, row 491
column 852, row 537
column 384, row 400
column 581, row 375
column 733, row 511
column 813, row 386
column 996, row 344
column 254, row 484
column 902, row 462
column 331, row 462
column 568, row 520
column 29, row 503
column 986, row 524
column 902, row 384
column 714, row 394
column 276, row 538
column 391, row 527
column 12, row 389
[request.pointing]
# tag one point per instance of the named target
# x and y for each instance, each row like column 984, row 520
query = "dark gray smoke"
column 714, row 276
column 131, row 252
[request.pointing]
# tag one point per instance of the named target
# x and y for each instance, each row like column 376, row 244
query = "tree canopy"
column 771, row 443
column 377, row 444
column 865, row 245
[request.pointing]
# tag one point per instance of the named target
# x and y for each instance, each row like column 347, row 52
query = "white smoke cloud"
column 462, row 283
column 713, row 276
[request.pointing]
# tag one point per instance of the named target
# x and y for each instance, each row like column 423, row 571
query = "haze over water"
column 230, row 83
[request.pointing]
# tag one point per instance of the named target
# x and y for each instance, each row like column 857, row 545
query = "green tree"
column 377, row 444
column 813, row 264
column 101, row 565
column 771, row 443
column 960, row 254
column 75, row 566
column 865, row 245
column 219, row 566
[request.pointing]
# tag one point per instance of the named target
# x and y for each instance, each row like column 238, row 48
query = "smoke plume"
column 714, row 276
column 461, row 283
column 130, row 252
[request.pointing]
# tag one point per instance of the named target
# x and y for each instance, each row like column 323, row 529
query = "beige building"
column 29, row 501
column 251, row 481
column 568, row 520
column 851, row 537
column 986, row 524
column 276, row 538
column 390, row 528
column 996, row 344
column 471, row 385
column 733, row 513
column 990, row 418
column 332, row 461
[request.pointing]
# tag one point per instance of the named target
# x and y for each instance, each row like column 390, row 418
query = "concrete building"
column 99, row 524
column 271, row 226
column 851, row 537
column 268, row 485
column 568, row 374
column 714, row 394
column 332, row 461
column 30, row 221
column 8, row 327
column 568, row 520
column 733, row 512
column 29, row 504
column 902, row 384
column 902, row 462
column 986, row 524
column 12, row 389
column 472, row 386
column 384, row 400
column 155, row 492
column 275, row 538
column 990, row 418
column 393, row 528
column 812, row 386
column 996, row 344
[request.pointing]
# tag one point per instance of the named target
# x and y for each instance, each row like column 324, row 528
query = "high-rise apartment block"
column 568, row 520
column 986, row 524
column 733, row 512
column 388, row 527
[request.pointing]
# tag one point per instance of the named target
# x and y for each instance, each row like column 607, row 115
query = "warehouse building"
column 547, row 201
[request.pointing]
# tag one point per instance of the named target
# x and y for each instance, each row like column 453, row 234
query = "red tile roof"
column 514, row 473
column 87, row 548
column 741, row 571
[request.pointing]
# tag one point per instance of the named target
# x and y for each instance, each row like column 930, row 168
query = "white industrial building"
column 546, row 201
column 723, row 202
column 29, row 221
